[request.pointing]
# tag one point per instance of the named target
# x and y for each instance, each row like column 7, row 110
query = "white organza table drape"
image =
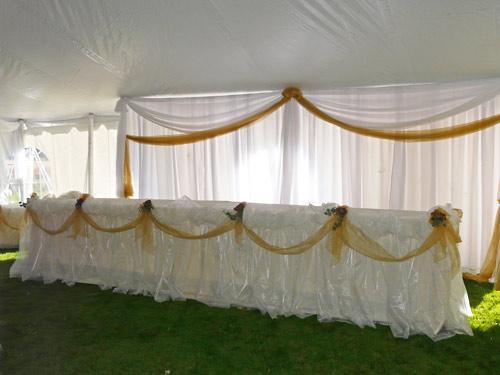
column 418, row 296
column 9, row 238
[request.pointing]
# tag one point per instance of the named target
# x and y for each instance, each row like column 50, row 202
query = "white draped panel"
column 293, row 157
column 11, row 147
column 228, row 167
column 105, row 160
column 66, row 149
column 188, row 114
column 404, row 106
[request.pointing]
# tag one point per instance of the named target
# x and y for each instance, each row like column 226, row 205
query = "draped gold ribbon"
column 348, row 234
column 295, row 93
column 63, row 228
column 444, row 236
column 128, row 188
column 341, row 231
column 488, row 267
column 144, row 232
column 122, row 228
column 299, row 248
column 5, row 223
column 180, row 139
column 215, row 232
column 403, row 135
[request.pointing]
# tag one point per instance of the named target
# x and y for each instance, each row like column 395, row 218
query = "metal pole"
column 90, row 156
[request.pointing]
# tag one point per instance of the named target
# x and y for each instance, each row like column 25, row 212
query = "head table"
column 416, row 296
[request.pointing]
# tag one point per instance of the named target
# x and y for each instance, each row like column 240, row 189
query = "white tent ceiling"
column 64, row 58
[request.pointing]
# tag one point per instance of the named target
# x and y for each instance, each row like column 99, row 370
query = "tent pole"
column 20, row 163
column 90, row 155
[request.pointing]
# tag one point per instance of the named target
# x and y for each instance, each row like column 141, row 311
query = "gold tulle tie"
column 4, row 222
column 488, row 268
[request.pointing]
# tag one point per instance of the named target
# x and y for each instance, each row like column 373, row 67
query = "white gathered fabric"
column 9, row 238
column 189, row 114
column 413, row 297
column 389, row 107
column 292, row 157
column 403, row 106
column 66, row 149
column 11, row 148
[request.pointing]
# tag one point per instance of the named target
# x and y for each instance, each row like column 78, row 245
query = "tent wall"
column 67, row 151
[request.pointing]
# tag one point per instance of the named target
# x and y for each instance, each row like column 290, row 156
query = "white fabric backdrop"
column 66, row 151
column 293, row 157
column 11, row 145
column 404, row 106
column 66, row 147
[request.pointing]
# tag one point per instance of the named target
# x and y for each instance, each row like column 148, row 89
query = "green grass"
column 56, row 329
column 7, row 256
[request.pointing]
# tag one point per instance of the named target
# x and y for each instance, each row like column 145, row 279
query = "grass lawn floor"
column 57, row 329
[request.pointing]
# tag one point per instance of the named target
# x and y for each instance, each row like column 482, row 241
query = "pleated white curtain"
column 293, row 157
column 412, row 176
column 66, row 148
column 404, row 106
column 11, row 147
column 65, row 151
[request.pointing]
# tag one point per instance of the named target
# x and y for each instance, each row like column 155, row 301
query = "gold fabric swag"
column 4, row 223
column 488, row 268
column 338, row 230
column 295, row 93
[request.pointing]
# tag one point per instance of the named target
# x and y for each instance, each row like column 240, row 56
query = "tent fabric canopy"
column 65, row 58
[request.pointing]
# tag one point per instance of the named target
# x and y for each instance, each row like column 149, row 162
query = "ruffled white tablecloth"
column 9, row 238
column 417, row 296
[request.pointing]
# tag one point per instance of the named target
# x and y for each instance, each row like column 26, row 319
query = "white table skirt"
column 417, row 296
column 9, row 238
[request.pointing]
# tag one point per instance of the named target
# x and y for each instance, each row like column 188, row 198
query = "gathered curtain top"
column 377, row 107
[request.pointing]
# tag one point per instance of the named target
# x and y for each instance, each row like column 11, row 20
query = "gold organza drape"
column 339, row 229
column 4, row 222
column 181, row 139
column 488, row 267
